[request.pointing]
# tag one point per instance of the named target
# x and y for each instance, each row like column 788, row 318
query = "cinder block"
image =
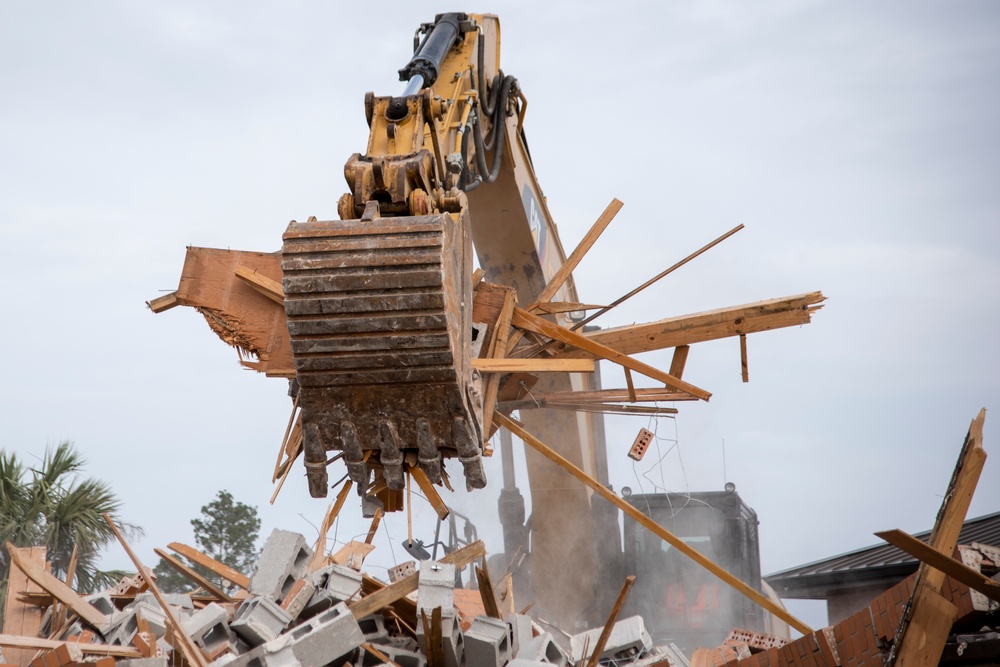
column 334, row 583
column 521, row 662
column 436, row 588
column 322, row 640
column 259, row 620
column 487, row 643
column 628, row 640
column 398, row 656
column 144, row 662
column 209, row 629
column 283, row 560
column 102, row 602
column 520, row 631
column 451, row 637
column 543, row 648
column 373, row 628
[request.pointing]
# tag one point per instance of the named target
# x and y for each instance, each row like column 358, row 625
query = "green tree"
column 227, row 531
column 53, row 506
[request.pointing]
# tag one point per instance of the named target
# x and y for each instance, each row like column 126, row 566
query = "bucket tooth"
column 354, row 457
column 428, row 455
column 392, row 456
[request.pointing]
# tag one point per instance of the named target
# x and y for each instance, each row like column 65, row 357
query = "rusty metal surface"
column 381, row 337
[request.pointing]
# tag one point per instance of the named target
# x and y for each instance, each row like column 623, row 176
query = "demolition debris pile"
column 298, row 609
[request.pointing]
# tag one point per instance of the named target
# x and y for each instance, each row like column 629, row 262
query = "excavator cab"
column 680, row 601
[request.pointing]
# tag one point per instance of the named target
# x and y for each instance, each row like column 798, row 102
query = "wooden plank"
column 400, row 589
column 487, row 593
column 740, row 587
column 191, row 575
column 162, row 303
column 429, row 492
column 504, row 365
column 586, row 243
column 631, row 387
column 319, row 549
column 188, row 649
column 498, row 350
column 209, row 563
column 266, row 286
column 744, row 369
column 951, row 567
column 373, row 528
column 57, row 588
column 602, row 641
column 526, row 320
column 606, row 396
column 556, row 307
column 679, row 360
column 21, row 618
column 925, row 624
column 710, row 325
column 353, row 554
column 42, row 644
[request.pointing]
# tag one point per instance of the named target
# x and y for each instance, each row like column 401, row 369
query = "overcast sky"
column 858, row 142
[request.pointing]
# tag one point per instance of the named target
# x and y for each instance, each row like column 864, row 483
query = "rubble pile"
column 297, row 610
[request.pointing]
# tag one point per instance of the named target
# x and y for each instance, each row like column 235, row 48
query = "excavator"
column 399, row 352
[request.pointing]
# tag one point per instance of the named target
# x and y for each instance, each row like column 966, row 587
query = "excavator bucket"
column 379, row 318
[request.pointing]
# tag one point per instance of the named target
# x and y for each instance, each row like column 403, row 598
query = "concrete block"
column 102, row 602
column 436, row 588
column 209, row 629
column 334, row 583
column 543, row 648
column 451, row 637
column 521, row 662
column 373, row 628
column 628, row 639
column 222, row 661
column 283, row 560
column 324, row 639
column 143, row 662
column 397, row 656
column 259, row 620
column 487, row 643
column 520, row 631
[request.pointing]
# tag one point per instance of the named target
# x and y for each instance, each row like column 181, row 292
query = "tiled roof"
column 874, row 565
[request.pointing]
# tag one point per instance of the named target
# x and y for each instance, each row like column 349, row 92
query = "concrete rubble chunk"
column 317, row 642
column 487, row 643
column 436, row 588
column 259, row 620
column 373, row 628
column 398, row 656
column 333, row 583
column 302, row 591
column 628, row 640
column 543, row 648
column 209, row 629
column 451, row 637
column 282, row 562
column 521, row 631
column 144, row 662
column 521, row 662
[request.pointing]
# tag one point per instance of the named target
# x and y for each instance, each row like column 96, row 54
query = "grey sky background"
column 858, row 142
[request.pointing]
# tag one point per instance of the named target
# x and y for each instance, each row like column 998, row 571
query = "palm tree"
column 52, row 506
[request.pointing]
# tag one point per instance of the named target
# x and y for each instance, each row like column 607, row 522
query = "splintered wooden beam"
column 266, row 286
column 210, row 564
column 599, row 396
column 429, row 492
column 162, row 303
column 191, row 575
column 586, row 243
column 678, row 361
column 744, row 368
column 498, row 350
column 41, row 644
column 739, row 586
column 187, row 647
column 928, row 617
column 526, row 320
column 533, row 365
column 939, row 561
column 487, row 593
column 602, row 641
column 372, row 529
column 750, row 318
column 57, row 588
column 319, row 549
column 400, row 589
column 19, row 617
